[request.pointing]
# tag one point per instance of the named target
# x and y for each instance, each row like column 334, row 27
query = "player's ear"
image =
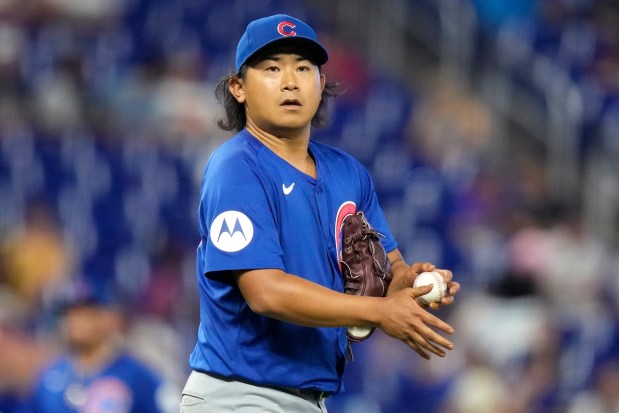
column 235, row 86
column 323, row 82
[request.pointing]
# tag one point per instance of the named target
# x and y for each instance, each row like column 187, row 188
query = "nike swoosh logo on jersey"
column 287, row 189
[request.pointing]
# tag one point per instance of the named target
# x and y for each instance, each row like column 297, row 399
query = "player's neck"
column 293, row 148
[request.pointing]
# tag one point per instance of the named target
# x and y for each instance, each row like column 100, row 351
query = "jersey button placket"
column 319, row 190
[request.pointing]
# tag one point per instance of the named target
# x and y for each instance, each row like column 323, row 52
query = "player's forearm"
column 290, row 298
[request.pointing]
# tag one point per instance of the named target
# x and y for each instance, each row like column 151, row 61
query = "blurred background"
column 491, row 129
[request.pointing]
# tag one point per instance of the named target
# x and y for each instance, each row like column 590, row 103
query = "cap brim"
column 306, row 47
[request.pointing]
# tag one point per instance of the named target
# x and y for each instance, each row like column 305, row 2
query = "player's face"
column 88, row 327
column 281, row 92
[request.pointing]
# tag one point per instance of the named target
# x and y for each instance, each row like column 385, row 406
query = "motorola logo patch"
column 231, row 231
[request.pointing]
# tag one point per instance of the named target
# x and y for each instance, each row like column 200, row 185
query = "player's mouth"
column 291, row 103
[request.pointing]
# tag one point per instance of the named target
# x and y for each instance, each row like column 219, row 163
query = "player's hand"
column 404, row 319
column 404, row 275
column 411, row 272
column 452, row 289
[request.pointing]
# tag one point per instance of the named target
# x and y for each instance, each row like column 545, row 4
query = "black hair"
column 235, row 118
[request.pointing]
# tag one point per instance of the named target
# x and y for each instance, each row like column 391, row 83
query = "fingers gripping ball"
column 439, row 289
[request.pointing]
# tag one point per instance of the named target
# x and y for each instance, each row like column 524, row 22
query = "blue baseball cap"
column 275, row 29
column 86, row 293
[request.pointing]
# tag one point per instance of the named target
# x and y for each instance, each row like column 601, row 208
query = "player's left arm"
column 404, row 276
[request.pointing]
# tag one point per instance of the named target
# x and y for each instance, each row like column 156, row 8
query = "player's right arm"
column 286, row 297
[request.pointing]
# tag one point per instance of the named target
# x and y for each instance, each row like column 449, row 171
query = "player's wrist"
column 378, row 312
column 402, row 277
column 368, row 312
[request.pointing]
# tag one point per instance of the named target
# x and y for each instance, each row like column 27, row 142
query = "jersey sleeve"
column 372, row 210
column 236, row 217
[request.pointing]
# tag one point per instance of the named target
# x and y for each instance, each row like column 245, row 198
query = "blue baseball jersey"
column 11, row 403
column 125, row 385
column 257, row 211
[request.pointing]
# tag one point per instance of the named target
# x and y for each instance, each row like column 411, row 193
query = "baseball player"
column 95, row 374
column 273, row 315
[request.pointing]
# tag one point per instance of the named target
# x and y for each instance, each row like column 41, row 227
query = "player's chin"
column 300, row 115
column 286, row 125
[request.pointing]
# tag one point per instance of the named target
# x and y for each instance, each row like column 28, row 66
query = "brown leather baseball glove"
column 365, row 267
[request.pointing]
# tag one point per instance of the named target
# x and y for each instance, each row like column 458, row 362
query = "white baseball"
column 439, row 289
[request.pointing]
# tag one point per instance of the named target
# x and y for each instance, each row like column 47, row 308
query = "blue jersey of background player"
column 95, row 374
column 124, row 385
column 273, row 311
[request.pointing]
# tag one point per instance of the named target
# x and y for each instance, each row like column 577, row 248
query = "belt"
column 305, row 393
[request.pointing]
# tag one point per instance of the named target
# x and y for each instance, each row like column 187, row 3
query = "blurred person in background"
column 36, row 256
column 96, row 373
column 22, row 355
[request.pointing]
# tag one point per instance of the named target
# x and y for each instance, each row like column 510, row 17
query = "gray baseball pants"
column 207, row 394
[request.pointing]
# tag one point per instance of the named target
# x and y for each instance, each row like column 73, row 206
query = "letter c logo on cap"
column 285, row 24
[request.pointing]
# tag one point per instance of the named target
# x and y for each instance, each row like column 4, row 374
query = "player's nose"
column 289, row 80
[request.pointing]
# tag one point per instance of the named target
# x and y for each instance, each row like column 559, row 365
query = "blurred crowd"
column 106, row 123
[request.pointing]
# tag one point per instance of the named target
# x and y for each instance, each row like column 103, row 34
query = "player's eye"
column 304, row 68
column 271, row 68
